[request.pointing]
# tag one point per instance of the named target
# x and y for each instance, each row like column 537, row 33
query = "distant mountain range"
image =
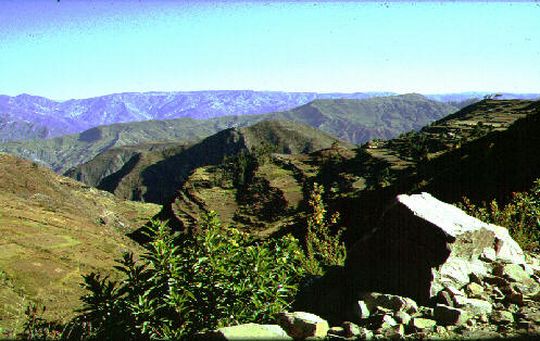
column 351, row 120
column 27, row 117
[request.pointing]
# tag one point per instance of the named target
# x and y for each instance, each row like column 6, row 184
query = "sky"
column 79, row 49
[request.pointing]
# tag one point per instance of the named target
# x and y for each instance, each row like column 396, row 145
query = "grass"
column 47, row 244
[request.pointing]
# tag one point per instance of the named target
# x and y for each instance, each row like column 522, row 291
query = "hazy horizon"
column 77, row 49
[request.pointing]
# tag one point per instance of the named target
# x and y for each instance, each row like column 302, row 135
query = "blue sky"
column 77, row 49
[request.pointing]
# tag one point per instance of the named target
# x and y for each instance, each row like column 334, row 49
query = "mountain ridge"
column 27, row 116
column 355, row 121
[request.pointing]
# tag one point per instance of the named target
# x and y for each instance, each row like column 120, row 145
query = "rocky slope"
column 55, row 229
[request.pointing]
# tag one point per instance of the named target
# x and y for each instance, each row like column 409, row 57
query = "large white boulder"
column 422, row 245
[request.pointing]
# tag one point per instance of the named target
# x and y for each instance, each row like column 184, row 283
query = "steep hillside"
column 53, row 230
column 486, row 150
column 361, row 121
column 355, row 121
column 154, row 175
column 63, row 153
column 27, row 117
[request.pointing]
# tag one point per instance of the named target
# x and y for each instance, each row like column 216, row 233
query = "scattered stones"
column 351, row 330
column 301, row 325
column 392, row 302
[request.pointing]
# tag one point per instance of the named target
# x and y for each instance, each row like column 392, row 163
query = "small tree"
column 323, row 248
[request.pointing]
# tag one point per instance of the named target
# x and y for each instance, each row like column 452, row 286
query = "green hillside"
column 154, row 174
column 53, row 230
column 484, row 151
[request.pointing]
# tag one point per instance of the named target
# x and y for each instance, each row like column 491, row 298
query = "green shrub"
column 323, row 248
column 521, row 216
column 185, row 284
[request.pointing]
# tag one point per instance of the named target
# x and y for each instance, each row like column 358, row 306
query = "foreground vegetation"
column 521, row 215
column 189, row 283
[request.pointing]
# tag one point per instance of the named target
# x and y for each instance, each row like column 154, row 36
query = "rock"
column 444, row 297
column 301, row 325
column 352, row 330
column 513, row 272
column 473, row 305
column 337, row 331
column 422, row 245
column 426, row 311
column 474, row 290
column 394, row 332
column 402, row 317
column 446, row 315
column 419, row 323
column 502, row 317
column 388, row 321
column 392, row 302
column 250, row 331
column 488, row 255
column 528, row 287
column 362, row 310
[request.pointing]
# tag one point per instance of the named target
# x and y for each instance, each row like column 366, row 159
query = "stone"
column 402, row 317
column 394, row 332
column 419, row 323
column 388, row 321
column 502, row 317
column 488, row 255
column 422, row 245
column 514, row 272
column 362, row 310
column 483, row 318
column 528, row 287
column 513, row 296
column 337, row 331
column 474, row 290
column 250, row 331
column 426, row 311
column 301, row 325
column 444, row 297
column 474, row 306
column 387, row 301
column 350, row 329
column 446, row 315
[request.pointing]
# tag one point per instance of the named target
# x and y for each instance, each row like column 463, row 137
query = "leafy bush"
column 323, row 248
column 184, row 284
column 521, row 216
